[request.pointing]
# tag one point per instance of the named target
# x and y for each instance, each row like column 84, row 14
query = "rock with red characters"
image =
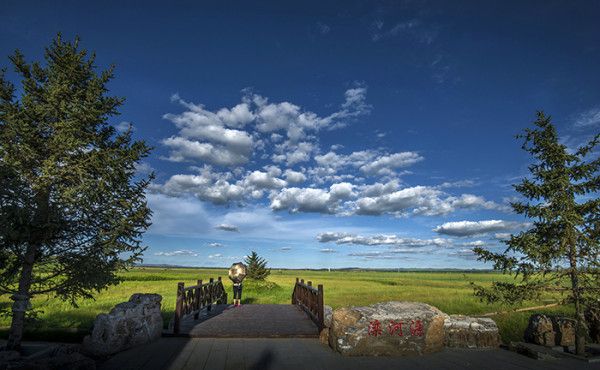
column 387, row 329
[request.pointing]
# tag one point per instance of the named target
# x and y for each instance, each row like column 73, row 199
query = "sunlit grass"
column 449, row 291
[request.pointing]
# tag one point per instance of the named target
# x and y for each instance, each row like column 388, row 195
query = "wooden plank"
column 199, row 357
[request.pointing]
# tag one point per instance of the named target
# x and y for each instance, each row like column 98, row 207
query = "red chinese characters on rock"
column 395, row 328
column 416, row 328
column 374, row 328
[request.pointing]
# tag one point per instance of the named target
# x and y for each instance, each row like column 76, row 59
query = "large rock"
column 327, row 317
column 328, row 314
column 387, row 329
column 128, row 324
column 471, row 332
column 550, row 331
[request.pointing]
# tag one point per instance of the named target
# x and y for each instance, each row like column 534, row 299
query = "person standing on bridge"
column 237, row 273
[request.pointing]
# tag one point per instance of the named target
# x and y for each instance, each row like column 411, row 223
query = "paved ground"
column 303, row 354
column 251, row 321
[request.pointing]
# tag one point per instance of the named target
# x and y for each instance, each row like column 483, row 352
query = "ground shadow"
column 249, row 300
column 264, row 362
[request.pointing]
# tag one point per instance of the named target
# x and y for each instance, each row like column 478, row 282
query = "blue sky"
column 332, row 134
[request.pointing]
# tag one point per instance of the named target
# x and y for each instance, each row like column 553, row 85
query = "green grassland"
column 449, row 291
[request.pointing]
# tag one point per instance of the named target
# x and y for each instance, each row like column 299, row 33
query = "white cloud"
column 294, row 177
column 327, row 250
column 183, row 149
column 227, row 227
column 183, row 252
column 472, row 228
column 476, row 243
column 369, row 162
column 216, row 255
column 386, row 164
column 215, row 245
column 502, row 236
column 208, row 186
column 225, row 137
column 591, row 117
column 263, row 180
column 376, row 240
column 421, row 200
column 304, row 200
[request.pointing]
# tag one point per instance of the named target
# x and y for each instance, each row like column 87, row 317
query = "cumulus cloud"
column 207, row 186
column 328, row 250
column 304, row 200
column 369, row 162
column 227, row 227
column 421, row 200
column 294, row 177
column 184, row 149
column 472, row 228
column 182, row 252
column 227, row 137
column 215, row 245
column 374, row 240
column 386, row 164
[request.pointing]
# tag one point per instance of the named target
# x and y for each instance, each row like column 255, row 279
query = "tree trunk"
column 22, row 297
column 21, row 301
column 580, row 330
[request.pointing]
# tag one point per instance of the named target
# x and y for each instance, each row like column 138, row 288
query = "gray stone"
column 328, row 313
column 550, row 331
column 387, row 329
column 128, row 324
column 471, row 332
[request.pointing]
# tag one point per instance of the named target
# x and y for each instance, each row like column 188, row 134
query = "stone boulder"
column 324, row 335
column 387, row 329
column 128, row 324
column 328, row 314
column 471, row 332
column 550, row 331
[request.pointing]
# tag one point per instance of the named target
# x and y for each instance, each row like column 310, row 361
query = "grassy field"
column 449, row 291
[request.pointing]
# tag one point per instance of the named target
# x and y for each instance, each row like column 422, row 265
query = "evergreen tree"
column 71, row 211
column 257, row 267
column 559, row 253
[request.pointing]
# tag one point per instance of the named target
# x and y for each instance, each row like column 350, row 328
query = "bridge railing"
column 310, row 299
column 192, row 299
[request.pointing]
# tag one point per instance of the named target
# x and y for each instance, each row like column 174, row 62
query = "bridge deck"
column 251, row 321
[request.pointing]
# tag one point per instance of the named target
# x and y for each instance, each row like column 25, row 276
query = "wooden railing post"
column 197, row 299
column 178, row 308
column 210, row 294
column 221, row 290
column 320, row 308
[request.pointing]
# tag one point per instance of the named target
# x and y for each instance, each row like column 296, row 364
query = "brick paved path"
column 251, row 321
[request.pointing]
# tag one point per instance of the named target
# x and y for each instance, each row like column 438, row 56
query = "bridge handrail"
column 310, row 299
column 192, row 299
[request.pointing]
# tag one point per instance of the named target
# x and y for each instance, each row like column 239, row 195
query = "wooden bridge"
column 201, row 311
